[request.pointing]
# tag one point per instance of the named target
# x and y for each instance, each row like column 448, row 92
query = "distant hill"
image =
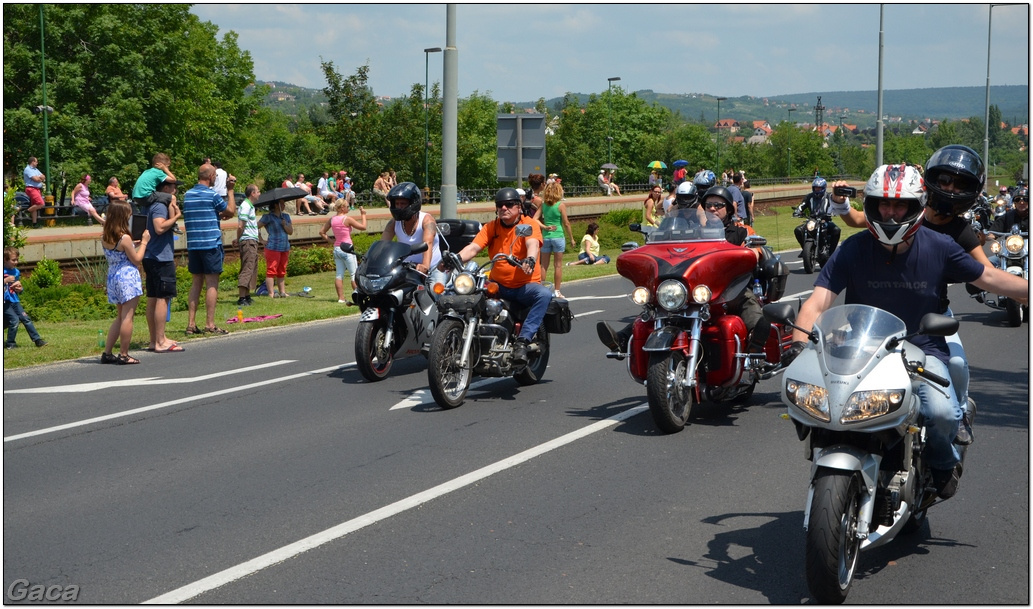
column 859, row 107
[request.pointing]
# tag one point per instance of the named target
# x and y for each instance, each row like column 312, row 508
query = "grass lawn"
column 77, row 339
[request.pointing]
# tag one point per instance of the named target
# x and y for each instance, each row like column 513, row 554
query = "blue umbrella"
column 680, row 163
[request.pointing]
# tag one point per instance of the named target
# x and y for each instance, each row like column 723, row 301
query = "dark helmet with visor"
column 405, row 190
column 954, row 177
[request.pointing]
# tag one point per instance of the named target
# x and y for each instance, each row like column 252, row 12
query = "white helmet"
column 894, row 182
column 686, row 195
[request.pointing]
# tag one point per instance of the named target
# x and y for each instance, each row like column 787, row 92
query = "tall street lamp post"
column 789, row 171
column 426, row 115
column 609, row 119
column 986, row 120
column 717, row 167
column 842, row 138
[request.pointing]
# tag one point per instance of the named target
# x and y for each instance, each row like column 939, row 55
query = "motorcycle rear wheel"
column 448, row 381
column 537, row 362
column 369, row 338
column 808, row 260
column 832, row 544
column 670, row 403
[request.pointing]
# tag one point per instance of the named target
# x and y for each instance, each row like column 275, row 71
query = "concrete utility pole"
column 449, row 116
column 878, row 123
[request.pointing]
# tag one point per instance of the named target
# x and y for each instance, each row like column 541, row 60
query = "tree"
column 126, row 81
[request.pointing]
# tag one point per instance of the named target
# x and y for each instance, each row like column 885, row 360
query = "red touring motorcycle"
column 685, row 347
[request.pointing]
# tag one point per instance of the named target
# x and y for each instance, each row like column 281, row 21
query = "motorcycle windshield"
column 850, row 335
column 685, row 225
column 383, row 256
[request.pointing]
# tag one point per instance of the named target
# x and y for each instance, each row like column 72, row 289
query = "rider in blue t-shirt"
column 901, row 267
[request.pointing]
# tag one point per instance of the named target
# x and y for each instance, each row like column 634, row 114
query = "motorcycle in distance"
column 816, row 247
column 476, row 330
column 1010, row 253
column 398, row 312
column 980, row 218
column 852, row 397
column 685, row 348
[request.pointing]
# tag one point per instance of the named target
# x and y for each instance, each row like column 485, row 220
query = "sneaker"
column 10, row 346
column 342, row 302
column 243, row 302
column 249, row 301
column 964, row 437
column 520, row 352
column 40, row 342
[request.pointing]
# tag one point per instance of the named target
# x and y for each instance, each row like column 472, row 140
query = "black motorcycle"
column 817, row 242
column 398, row 312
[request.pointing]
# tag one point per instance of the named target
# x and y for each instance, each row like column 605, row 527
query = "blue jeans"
column 942, row 416
column 13, row 315
column 536, row 296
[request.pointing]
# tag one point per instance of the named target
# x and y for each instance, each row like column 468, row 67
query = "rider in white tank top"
column 416, row 238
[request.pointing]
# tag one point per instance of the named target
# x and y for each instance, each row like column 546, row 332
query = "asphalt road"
column 261, row 468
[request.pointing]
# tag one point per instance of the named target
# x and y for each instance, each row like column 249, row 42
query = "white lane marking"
column 157, row 380
column 269, row 559
column 422, row 396
column 573, row 298
column 186, row 400
column 797, row 295
column 576, row 315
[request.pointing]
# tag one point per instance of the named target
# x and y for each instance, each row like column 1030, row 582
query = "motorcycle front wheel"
column 1015, row 313
column 537, row 362
column 808, row 260
column 449, row 381
column 832, row 543
column 670, row 402
column 372, row 357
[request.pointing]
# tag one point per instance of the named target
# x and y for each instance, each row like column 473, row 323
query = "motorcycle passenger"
column 717, row 209
column 704, row 181
column 818, row 202
column 522, row 285
column 1018, row 215
column 900, row 268
column 414, row 226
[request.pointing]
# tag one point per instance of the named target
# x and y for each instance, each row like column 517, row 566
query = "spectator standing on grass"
column 81, row 199
column 747, row 196
column 220, row 178
column 124, row 287
column 344, row 250
column 278, row 227
column 34, row 185
column 159, row 264
column 553, row 215
column 247, row 244
column 14, row 314
column 202, row 210
column 740, row 201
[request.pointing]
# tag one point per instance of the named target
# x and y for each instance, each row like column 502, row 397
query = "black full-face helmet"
column 409, row 191
column 686, row 195
column 961, row 167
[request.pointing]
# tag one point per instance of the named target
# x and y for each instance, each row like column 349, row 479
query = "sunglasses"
column 946, row 179
column 511, row 204
column 713, row 205
column 1021, row 200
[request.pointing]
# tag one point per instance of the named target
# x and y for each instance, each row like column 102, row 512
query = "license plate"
column 370, row 314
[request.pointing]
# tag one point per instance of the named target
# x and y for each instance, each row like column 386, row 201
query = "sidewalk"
column 68, row 243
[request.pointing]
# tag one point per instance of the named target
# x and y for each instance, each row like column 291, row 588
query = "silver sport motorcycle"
column 852, row 396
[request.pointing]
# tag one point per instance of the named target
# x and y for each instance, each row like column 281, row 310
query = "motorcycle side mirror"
column 523, row 230
column 755, row 241
column 635, row 227
column 630, row 245
column 934, row 324
column 419, row 248
column 444, row 229
column 779, row 312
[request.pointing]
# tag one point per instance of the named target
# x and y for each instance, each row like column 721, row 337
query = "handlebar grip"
column 929, row 376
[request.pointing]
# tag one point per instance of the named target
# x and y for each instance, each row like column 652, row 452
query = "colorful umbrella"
column 657, row 165
column 609, row 166
column 680, row 163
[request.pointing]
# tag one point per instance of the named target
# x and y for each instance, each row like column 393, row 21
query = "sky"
column 520, row 52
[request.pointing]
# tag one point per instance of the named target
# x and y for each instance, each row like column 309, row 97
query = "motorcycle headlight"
column 671, row 295
column 995, row 247
column 811, row 225
column 373, row 283
column 701, row 294
column 864, row 405
column 814, row 400
column 640, row 296
column 1014, row 244
column 464, row 283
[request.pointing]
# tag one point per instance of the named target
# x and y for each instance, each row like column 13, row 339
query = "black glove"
column 530, row 262
column 794, row 350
